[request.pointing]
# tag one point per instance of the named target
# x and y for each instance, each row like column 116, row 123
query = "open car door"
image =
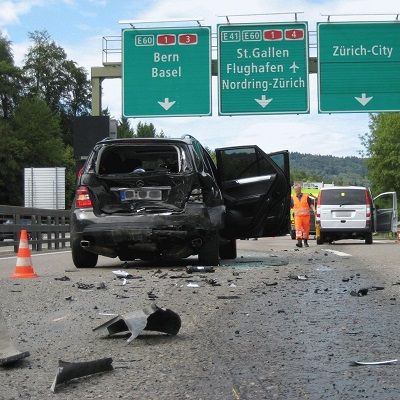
column 256, row 190
column 386, row 212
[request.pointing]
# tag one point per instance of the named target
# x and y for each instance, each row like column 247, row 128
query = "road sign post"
column 358, row 66
column 166, row 72
column 263, row 69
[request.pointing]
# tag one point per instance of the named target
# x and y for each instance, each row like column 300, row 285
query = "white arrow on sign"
column 166, row 104
column 263, row 102
column 364, row 100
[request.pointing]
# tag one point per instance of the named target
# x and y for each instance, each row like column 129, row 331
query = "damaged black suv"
column 165, row 198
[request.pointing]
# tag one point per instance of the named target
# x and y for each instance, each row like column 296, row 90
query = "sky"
column 79, row 26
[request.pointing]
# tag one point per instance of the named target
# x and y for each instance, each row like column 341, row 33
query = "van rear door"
column 385, row 216
column 343, row 208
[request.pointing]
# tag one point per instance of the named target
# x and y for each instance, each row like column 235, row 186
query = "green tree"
column 382, row 146
column 36, row 141
column 10, row 79
column 11, row 159
column 145, row 130
column 58, row 81
column 124, row 129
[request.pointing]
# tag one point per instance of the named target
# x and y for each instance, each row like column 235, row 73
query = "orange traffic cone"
column 24, row 267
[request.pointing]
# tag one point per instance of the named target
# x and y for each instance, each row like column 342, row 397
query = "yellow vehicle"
column 313, row 194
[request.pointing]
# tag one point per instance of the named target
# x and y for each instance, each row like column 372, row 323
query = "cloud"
column 12, row 10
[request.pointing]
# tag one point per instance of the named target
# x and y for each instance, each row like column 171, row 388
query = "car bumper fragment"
column 152, row 318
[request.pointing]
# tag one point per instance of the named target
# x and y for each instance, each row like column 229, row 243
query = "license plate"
column 343, row 214
column 140, row 194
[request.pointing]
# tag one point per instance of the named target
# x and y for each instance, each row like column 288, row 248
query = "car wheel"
column 81, row 257
column 368, row 238
column 320, row 239
column 293, row 234
column 228, row 251
column 209, row 252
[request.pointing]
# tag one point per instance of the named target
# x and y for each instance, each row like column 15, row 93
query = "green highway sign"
column 166, row 72
column 358, row 66
column 263, row 68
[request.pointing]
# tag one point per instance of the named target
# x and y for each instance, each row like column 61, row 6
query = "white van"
column 348, row 212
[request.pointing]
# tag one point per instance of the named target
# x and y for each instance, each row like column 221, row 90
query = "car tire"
column 368, row 238
column 293, row 234
column 320, row 239
column 209, row 252
column 81, row 257
column 228, row 251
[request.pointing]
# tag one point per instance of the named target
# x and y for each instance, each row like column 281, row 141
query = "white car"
column 349, row 212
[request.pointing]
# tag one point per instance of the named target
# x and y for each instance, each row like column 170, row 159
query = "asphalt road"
column 272, row 336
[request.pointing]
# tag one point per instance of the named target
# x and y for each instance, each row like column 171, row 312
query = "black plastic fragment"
column 72, row 370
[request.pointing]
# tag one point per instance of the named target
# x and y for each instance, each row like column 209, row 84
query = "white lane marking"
column 38, row 255
column 338, row 253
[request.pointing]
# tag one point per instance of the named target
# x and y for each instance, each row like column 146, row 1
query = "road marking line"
column 38, row 255
column 338, row 253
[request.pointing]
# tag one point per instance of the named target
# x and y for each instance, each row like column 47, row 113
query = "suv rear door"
column 386, row 212
column 256, row 190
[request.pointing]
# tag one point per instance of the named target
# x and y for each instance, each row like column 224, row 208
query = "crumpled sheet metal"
column 152, row 318
column 8, row 352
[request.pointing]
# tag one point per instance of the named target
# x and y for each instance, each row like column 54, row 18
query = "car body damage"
column 148, row 198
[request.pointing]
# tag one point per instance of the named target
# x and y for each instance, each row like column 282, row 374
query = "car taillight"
column 196, row 196
column 368, row 203
column 318, row 211
column 83, row 198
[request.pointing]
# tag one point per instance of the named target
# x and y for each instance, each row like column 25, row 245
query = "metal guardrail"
column 44, row 226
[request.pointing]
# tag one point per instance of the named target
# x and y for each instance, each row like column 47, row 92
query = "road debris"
column 298, row 277
column 84, row 286
column 193, row 285
column 122, row 274
column 72, row 370
column 270, row 283
column 8, row 352
column 101, row 285
column 194, row 268
column 151, row 295
column 213, row 282
column 228, row 297
column 63, row 278
column 386, row 362
column 151, row 318
column 364, row 291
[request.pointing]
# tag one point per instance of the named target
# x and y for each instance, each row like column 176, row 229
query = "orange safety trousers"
column 302, row 225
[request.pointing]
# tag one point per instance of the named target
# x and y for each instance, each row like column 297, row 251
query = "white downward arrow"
column 166, row 104
column 263, row 102
column 364, row 100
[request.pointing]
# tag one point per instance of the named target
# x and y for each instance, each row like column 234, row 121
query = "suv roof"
column 186, row 139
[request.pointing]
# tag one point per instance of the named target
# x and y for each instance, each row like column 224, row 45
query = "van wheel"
column 368, row 238
column 227, row 251
column 320, row 239
column 81, row 257
column 209, row 252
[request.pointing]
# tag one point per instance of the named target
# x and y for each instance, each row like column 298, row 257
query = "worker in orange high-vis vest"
column 301, row 205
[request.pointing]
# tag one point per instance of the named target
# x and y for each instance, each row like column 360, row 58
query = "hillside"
column 328, row 169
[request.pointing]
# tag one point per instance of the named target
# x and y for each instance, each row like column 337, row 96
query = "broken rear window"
column 123, row 159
